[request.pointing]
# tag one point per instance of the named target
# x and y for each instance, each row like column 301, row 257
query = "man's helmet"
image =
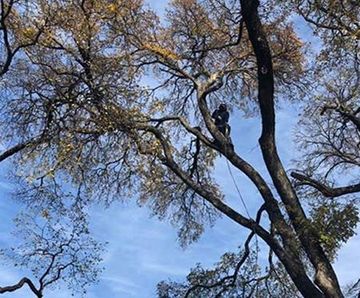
column 222, row 107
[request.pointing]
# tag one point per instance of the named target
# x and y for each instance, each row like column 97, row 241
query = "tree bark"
column 325, row 275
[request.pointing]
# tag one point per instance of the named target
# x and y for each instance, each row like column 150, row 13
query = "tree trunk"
column 325, row 275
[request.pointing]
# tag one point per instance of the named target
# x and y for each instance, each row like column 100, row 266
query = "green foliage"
column 336, row 223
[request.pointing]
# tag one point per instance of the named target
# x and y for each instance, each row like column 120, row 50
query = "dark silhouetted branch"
column 19, row 285
column 330, row 192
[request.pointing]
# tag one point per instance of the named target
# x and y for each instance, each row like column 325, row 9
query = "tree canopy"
column 103, row 101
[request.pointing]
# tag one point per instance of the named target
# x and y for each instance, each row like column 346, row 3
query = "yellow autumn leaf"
column 166, row 53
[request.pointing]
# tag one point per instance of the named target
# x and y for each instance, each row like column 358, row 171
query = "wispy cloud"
column 121, row 284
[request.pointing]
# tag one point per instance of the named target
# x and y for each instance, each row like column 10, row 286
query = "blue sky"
column 143, row 250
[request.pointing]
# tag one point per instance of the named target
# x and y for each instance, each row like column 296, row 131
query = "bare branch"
column 330, row 192
column 223, row 282
column 19, row 285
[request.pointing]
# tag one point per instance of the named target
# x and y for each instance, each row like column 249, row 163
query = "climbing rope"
column 248, row 214
column 237, row 189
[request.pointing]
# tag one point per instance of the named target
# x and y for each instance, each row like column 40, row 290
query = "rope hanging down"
column 237, row 189
column 247, row 212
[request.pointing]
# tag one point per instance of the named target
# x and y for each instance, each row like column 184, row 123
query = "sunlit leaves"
column 336, row 223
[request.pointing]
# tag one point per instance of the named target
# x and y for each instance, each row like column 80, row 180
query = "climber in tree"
column 221, row 116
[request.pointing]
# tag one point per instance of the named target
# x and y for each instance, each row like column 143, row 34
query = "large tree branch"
column 271, row 203
column 21, row 146
column 287, row 255
column 19, row 285
column 325, row 275
column 291, row 261
column 169, row 161
column 327, row 191
column 13, row 150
